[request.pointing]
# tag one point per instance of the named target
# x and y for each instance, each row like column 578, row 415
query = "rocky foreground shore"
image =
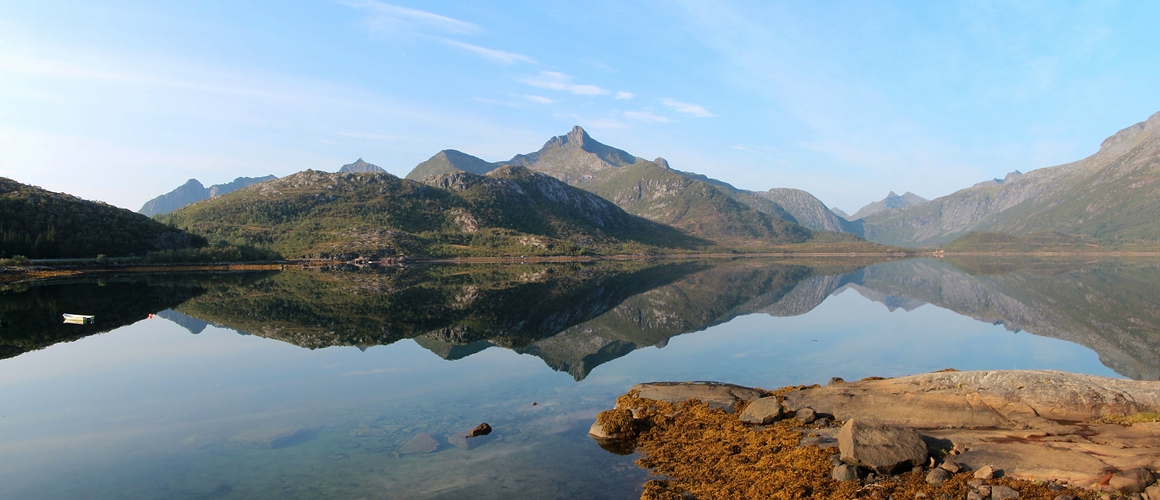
column 950, row 434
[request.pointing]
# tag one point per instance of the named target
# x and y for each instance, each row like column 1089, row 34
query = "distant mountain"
column 1112, row 197
column 192, row 192
column 841, row 213
column 575, row 157
column 360, row 166
column 890, row 202
column 37, row 223
column 703, row 207
column 511, row 210
column 810, row 211
column 450, row 160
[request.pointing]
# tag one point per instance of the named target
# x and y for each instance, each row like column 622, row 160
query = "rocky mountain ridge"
column 192, row 192
column 1110, row 196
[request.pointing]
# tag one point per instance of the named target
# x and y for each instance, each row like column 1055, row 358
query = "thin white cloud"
column 393, row 19
column 645, row 116
column 624, row 95
column 552, row 80
column 739, row 147
column 686, row 108
column 495, row 55
column 538, row 98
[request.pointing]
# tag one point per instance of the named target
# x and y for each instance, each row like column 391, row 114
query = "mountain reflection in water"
column 577, row 316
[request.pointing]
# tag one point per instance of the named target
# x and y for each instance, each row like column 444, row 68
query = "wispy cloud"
column 538, row 98
column 552, row 80
column 492, row 54
column 624, row 95
column 645, row 116
column 686, row 108
column 393, row 19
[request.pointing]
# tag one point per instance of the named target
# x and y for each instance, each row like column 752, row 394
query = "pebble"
column 984, row 490
column 1003, row 493
column 937, row 476
column 974, row 495
column 806, row 415
column 985, row 472
column 1065, row 497
column 845, row 472
column 950, row 465
column 975, row 483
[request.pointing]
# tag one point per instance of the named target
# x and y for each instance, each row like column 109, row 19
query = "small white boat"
column 78, row 319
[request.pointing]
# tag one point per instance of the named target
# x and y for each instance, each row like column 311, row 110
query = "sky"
column 121, row 101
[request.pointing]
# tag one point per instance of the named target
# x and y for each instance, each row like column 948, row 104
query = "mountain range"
column 510, row 210
column 1111, row 198
column 192, row 192
column 456, row 204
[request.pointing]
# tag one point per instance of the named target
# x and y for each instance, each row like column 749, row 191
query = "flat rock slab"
column 274, row 437
column 1004, row 399
column 1034, row 425
column 713, row 394
column 880, row 447
column 421, row 443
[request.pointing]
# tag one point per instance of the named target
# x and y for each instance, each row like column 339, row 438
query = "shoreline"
column 1031, row 434
column 43, row 269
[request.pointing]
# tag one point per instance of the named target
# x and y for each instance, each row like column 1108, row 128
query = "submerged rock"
column 881, row 448
column 274, row 437
column 468, row 439
column 421, row 443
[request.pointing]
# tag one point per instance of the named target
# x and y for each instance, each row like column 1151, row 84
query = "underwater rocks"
column 468, row 439
column 421, row 443
column 274, row 437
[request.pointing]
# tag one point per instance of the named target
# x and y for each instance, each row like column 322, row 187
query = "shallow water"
column 350, row 365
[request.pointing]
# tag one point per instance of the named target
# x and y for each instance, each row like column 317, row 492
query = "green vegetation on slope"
column 697, row 207
column 42, row 224
column 510, row 211
column 1052, row 241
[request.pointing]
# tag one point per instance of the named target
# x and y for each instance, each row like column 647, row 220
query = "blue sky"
column 121, row 101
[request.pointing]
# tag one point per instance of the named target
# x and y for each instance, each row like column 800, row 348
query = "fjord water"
column 348, row 365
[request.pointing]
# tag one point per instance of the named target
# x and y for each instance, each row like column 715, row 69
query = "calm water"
column 348, row 365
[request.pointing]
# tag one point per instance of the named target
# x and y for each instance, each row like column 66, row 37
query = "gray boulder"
column 882, row 448
column 763, row 411
column 1132, row 480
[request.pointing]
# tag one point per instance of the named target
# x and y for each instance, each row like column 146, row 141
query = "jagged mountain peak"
column 662, row 162
column 892, row 201
column 1132, row 134
column 361, row 166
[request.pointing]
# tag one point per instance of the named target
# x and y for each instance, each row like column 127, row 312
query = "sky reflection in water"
column 148, row 410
